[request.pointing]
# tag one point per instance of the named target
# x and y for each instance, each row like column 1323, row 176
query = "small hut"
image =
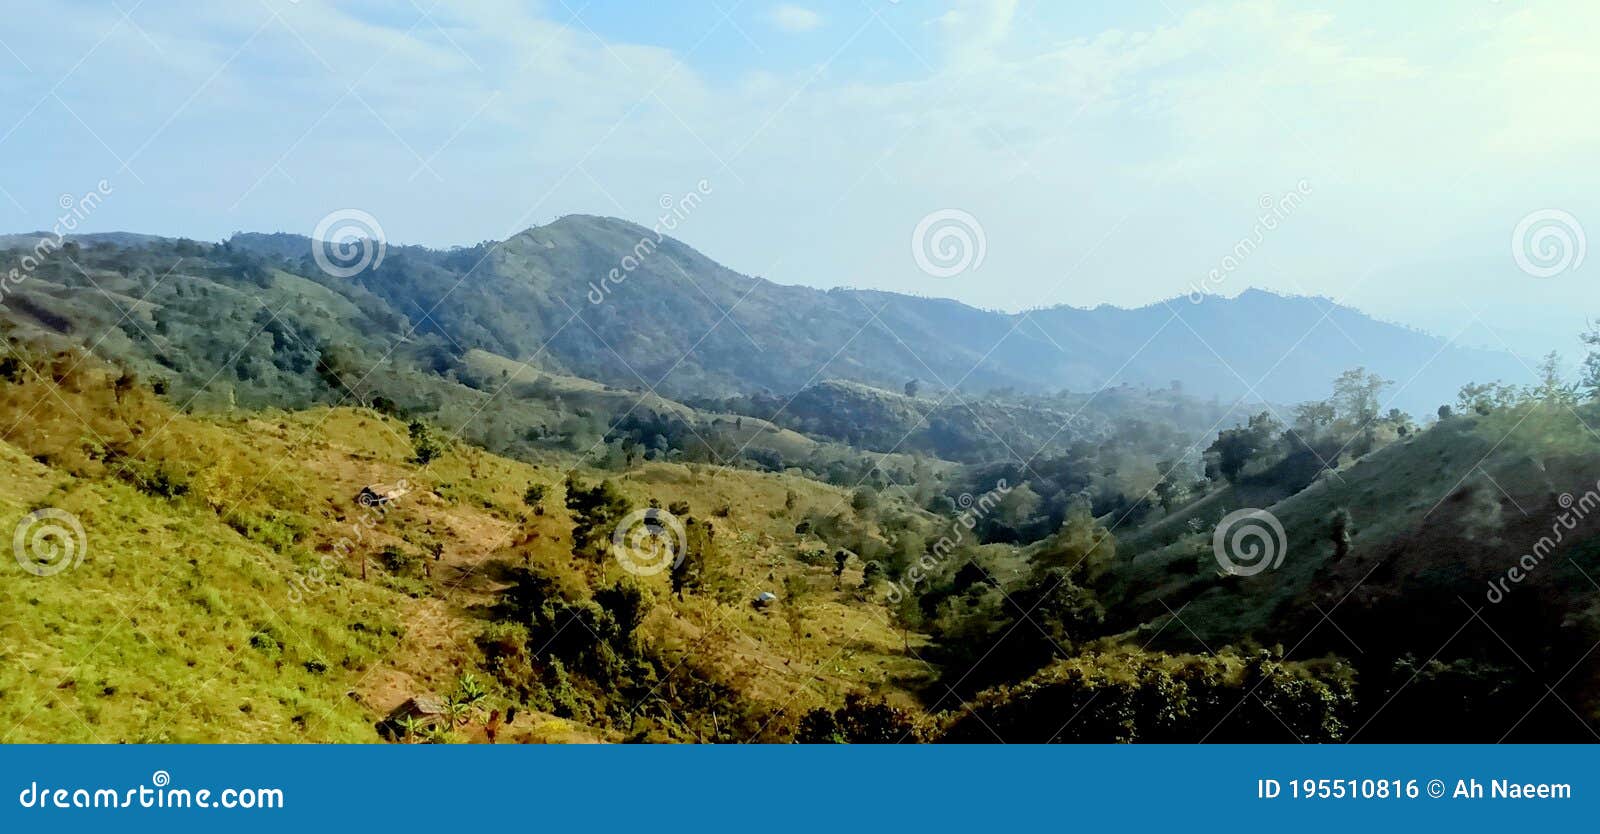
column 378, row 495
column 426, row 710
column 764, row 599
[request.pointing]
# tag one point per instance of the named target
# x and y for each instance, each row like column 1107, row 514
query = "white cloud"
column 792, row 18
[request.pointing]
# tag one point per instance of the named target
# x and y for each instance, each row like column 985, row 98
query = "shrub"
column 399, row 562
column 859, row 721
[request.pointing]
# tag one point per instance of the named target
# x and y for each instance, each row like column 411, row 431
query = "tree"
column 1551, row 388
column 1234, row 449
column 684, row 573
column 596, row 511
column 870, row 574
column 425, row 446
column 1083, row 546
column 1340, row 530
column 1485, row 398
column 1311, row 418
column 124, row 383
column 1355, row 396
column 859, row 721
column 1589, row 379
column 534, row 496
column 1016, row 507
column 840, row 557
column 912, row 387
column 627, row 605
column 1169, row 491
column 1400, row 420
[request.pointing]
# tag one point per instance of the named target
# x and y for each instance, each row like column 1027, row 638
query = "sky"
column 1387, row 155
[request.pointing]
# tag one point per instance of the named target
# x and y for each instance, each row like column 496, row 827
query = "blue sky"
column 1109, row 152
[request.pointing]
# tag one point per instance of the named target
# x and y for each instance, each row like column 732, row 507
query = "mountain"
column 979, row 430
column 1023, row 556
column 605, row 299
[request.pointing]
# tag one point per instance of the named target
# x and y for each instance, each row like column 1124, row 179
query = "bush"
column 152, row 479
column 1135, row 696
column 859, row 721
column 399, row 562
column 425, row 445
column 266, row 642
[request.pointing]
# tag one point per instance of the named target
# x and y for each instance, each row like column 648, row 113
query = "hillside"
column 222, row 330
column 1439, row 521
column 683, row 324
column 232, row 590
column 1018, row 428
column 867, row 556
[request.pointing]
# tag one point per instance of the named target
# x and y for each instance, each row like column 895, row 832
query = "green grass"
column 1406, row 491
column 183, row 623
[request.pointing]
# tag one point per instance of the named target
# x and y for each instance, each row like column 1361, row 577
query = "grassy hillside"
column 1436, row 518
column 856, row 564
column 215, row 602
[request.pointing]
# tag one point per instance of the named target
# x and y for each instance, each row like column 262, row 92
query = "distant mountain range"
column 541, row 347
column 608, row 300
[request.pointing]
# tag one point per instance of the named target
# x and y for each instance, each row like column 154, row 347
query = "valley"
column 877, row 526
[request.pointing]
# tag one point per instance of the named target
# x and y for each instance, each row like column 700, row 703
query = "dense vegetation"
column 855, row 564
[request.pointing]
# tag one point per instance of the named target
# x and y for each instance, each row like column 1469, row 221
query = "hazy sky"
column 1115, row 153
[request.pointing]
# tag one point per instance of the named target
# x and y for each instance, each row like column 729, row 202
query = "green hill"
column 943, row 565
column 677, row 321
